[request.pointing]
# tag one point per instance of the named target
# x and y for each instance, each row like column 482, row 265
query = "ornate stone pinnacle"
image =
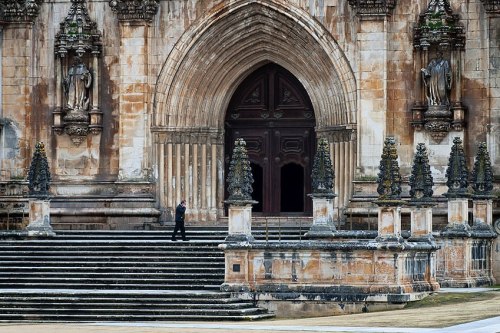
column 457, row 173
column 240, row 176
column 135, row 10
column 389, row 178
column 322, row 172
column 39, row 173
column 421, row 177
column 482, row 174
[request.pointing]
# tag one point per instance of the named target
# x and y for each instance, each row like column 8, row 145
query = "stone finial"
column 78, row 32
column 240, row 176
column 373, row 9
column 438, row 26
column 457, row 173
column 19, row 10
column 491, row 6
column 322, row 173
column 389, row 178
column 421, row 181
column 482, row 174
column 39, row 173
column 135, row 10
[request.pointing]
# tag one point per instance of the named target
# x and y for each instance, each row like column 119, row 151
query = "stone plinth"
column 240, row 223
column 323, row 212
column 482, row 211
column 421, row 223
column 389, row 223
column 291, row 277
column 39, row 216
column 458, row 210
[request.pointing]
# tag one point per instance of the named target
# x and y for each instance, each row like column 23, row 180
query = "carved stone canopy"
column 373, row 8
column 438, row 26
column 78, row 33
column 135, row 10
column 19, row 10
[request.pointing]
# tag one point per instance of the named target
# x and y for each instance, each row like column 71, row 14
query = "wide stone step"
column 111, row 286
column 152, row 258
column 115, row 264
column 114, row 275
column 106, row 270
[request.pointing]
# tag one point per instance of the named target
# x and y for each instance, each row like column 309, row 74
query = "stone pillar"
column 240, row 223
column 482, row 211
column 39, row 216
column 323, row 217
column 421, row 223
column 389, row 223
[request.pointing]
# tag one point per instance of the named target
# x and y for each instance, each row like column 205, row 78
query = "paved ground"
column 473, row 317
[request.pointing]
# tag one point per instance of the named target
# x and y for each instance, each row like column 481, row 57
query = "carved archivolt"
column 78, row 49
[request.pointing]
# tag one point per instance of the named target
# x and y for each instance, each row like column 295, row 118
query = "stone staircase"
column 123, row 276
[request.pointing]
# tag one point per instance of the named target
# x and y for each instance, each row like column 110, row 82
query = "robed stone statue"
column 76, row 86
column 437, row 81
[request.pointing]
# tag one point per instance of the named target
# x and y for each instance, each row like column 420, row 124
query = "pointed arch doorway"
column 272, row 112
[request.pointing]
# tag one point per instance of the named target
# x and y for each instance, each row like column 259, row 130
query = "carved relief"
column 78, row 48
column 135, row 10
column 19, row 10
column 491, row 6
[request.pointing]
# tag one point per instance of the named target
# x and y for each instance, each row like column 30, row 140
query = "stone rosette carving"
column 323, row 176
column 373, row 9
column 19, row 10
column 135, row 10
column 240, row 178
column 482, row 174
column 457, row 174
column 389, row 177
column 39, row 174
column 421, row 180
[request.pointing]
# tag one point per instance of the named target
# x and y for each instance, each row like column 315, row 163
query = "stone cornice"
column 22, row 11
column 373, row 9
column 135, row 10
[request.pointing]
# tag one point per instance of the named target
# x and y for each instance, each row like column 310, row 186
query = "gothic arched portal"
column 271, row 110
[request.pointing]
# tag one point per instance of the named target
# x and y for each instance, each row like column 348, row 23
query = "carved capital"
column 373, row 8
column 491, row 6
column 19, row 10
column 135, row 10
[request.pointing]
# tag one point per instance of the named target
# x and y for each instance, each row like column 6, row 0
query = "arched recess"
column 201, row 74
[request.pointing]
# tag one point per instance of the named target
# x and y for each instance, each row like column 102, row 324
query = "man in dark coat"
column 179, row 221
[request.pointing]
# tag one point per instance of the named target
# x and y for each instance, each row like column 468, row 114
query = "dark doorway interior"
column 257, row 186
column 292, row 188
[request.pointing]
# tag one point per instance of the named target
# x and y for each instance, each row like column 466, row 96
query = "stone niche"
column 439, row 41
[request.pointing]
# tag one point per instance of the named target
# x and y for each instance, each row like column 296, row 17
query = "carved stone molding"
column 373, row 8
column 491, row 6
column 135, row 10
column 19, row 10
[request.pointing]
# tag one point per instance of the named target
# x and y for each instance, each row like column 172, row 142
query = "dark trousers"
column 179, row 226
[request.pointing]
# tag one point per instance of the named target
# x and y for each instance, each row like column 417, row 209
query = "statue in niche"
column 76, row 86
column 437, row 81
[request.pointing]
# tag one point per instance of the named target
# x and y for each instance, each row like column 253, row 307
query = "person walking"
column 179, row 221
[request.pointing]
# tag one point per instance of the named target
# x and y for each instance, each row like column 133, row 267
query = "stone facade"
column 167, row 71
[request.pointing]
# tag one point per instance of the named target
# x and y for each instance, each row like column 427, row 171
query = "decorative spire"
column 135, row 10
column 39, row 173
column 389, row 178
column 78, row 32
column 240, row 176
column 457, row 174
column 322, row 172
column 19, row 10
column 439, row 26
column 482, row 174
column 421, row 177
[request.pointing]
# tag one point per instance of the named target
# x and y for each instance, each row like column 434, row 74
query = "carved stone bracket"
column 135, row 10
column 78, row 48
column 491, row 6
column 19, row 10
column 373, row 9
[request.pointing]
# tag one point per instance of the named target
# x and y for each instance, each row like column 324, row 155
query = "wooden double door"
column 272, row 112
